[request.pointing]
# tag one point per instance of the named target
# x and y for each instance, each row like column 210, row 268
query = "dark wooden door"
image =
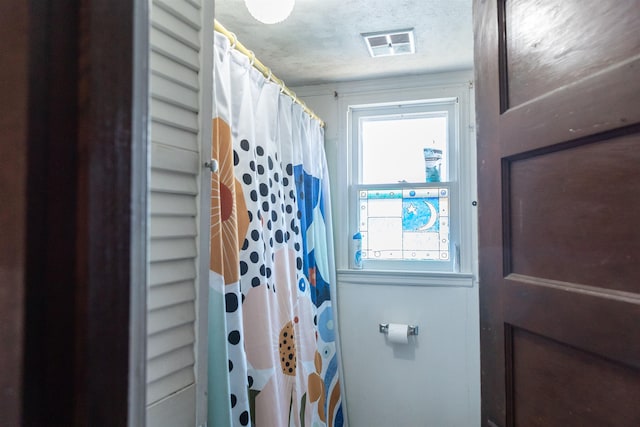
column 558, row 95
column 72, row 212
column 14, row 128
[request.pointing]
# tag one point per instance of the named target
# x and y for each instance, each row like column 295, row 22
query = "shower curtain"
column 272, row 336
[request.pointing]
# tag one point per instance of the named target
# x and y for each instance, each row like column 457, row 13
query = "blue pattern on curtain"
column 273, row 360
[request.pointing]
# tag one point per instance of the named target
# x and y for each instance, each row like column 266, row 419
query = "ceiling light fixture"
column 387, row 43
column 270, row 11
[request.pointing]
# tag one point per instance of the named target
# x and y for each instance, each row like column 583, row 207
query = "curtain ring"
column 269, row 75
column 281, row 86
column 234, row 41
column 252, row 58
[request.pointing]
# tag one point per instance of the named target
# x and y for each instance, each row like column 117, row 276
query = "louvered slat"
column 161, row 273
column 166, row 386
column 170, row 317
column 183, row 10
column 179, row 52
column 166, row 364
column 174, row 248
column 174, row 114
column 179, row 29
column 174, row 183
column 162, row 133
column 169, row 340
column 167, row 158
column 162, row 65
column 174, row 411
column 172, row 204
column 169, row 90
column 172, row 227
column 170, row 294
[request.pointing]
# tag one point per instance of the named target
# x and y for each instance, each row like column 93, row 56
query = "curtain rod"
column 263, row 69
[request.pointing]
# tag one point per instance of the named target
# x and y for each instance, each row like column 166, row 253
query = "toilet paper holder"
column 411, row 330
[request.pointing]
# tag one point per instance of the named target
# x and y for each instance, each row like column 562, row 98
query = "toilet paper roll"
column 398, row 333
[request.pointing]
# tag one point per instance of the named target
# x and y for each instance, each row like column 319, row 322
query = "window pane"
column 407, row 149
column 404, row 224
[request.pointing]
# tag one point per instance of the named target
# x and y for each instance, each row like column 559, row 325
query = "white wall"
column 435, row 379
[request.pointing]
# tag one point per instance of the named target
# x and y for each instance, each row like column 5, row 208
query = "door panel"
column 600, row 322
column 572, row 201
column 543, row 53
column 550, row 377
column 559, row 166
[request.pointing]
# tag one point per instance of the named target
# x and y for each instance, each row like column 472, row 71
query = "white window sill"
column 405, row 278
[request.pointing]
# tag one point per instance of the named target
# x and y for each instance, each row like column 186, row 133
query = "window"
column 404, row 184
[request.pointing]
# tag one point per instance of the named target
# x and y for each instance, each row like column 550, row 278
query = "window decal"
column 404, row 224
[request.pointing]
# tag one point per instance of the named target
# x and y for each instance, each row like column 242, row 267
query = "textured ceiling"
column 320, row 42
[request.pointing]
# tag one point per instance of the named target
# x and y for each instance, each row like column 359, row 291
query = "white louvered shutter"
column 180, row 74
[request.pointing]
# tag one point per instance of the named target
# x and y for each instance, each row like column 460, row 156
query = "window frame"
column 413, row 109
column 333, row 101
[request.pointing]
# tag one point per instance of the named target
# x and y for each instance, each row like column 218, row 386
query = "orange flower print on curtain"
column 229, row 220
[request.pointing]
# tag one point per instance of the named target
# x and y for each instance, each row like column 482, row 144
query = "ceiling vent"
column 387, row 43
